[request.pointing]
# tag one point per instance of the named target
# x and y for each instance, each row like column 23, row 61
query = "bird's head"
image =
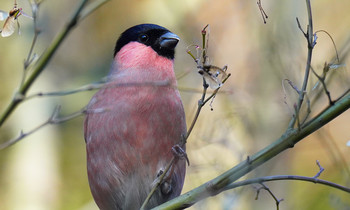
column 160, row 39
column 146, row 50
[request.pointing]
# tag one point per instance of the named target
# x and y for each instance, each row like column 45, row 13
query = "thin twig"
column 300, row 28
column 89, row 87
column 322, row 80
column 327, row 67
column 308, row 111
column 29, row 60
column 264, row 187
column 195, row 90
column 98, row 85
column 53, row 119
column 320, row 171
column 286, row 178
column 199, row 108
column 342, row 95
column 205, row 43
column 262, row 11
column 335, row 152
column 334, row 45
column 310, row 43
column 294, row 87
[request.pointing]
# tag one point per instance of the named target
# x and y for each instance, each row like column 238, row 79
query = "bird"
column 135, row 122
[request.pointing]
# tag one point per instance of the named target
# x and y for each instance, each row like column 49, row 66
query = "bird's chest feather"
column 139, row 124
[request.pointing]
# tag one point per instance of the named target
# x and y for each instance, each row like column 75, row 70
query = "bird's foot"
column 180, row 153
column 165, row 186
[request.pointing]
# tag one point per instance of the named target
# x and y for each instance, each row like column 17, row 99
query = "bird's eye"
column 143, row 38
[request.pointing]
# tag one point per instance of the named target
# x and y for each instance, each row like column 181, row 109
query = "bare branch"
column 321, row 169
column 264, row 187
column 262, row 11
column 30, row 57
column 342, row 95
column 334, row 45
column 311, row 43
column 300, row 28
column 308, row 111
column 53, row 119
column 286, row 178
column 89, row 87
column 95, row 86
column 296, row 116
column 322, row 80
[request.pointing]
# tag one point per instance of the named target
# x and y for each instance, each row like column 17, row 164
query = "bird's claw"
column 180, row 153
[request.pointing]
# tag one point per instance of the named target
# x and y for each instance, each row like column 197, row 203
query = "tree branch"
column 287, row 140
column 44, row 60
column 54, row 119
column 264, row 187
column 310, row 43
column 287, row 178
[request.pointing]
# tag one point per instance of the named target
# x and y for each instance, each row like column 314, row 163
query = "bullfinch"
column 134, row 121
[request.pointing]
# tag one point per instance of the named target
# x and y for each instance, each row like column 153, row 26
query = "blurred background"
column 47, row 169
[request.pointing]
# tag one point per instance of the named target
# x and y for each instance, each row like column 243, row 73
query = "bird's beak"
column 169, row 40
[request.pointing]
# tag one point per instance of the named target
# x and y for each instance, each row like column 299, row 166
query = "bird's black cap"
column 159, row 38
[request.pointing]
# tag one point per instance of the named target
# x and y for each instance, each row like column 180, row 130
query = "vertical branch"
column 30, row 58
column 199, row 108
column 310, row 42
column 35, row 9
column 204, row 44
